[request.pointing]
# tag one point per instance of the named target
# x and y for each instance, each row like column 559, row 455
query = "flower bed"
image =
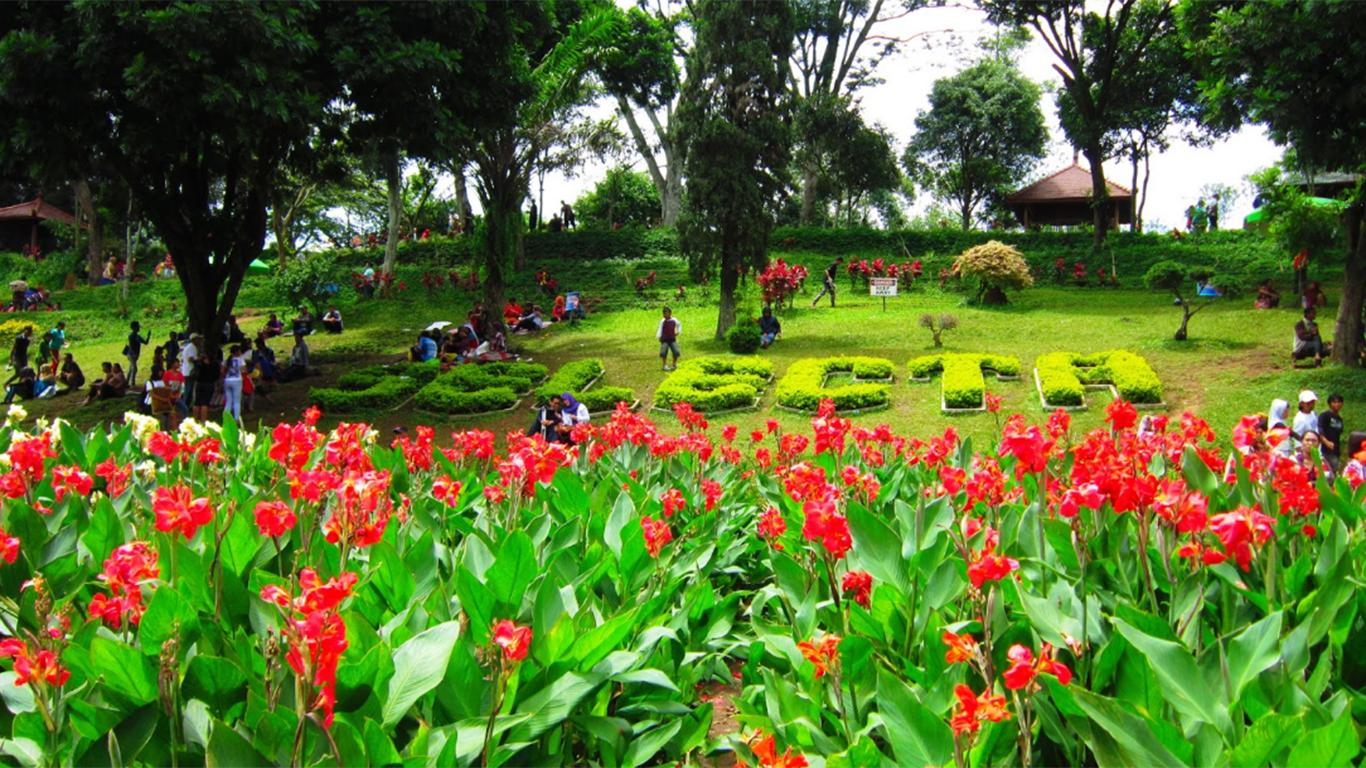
column 1062, row 377
column 963, row 388
column 712, row 384
column 301, row 597
column 803, row 387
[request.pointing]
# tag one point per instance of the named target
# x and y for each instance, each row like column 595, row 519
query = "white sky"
column 951, row 33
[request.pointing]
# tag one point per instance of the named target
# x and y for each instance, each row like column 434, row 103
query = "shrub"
column 743, row 337
column 937, row 326
column 996, row 267
column 572, row 377
column 715, row 383
column 479, row 388
column 11, row 328
column 803, row 387
column 1063, row 374
column 373, row 387
column 309, row 278
column 963, row 385
column 601, row 399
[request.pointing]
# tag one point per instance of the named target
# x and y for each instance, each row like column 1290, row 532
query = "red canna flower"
column 1024, row 667
column 986, row 565
column 825, row 524
column 860, row 583
column 494, row 494
column 656, row 533
column 176, row 509
column 315, row 632
column 993, row 402
column 1239, row 530
column 70, row 479
column 962, row 647
column 124, row 571
column 972, row 709
column 514, row 641
column 41, row 668
column 361, row 510
column 772, row 526
column 1086, row 496
column 711, row 493
column 28, row 454
column 1121, row 414
column 446, row 490
column 823, row 653
column 274, row 518
column 765, row 749
column 115, row 477
column 728, row 433
column 672, row 501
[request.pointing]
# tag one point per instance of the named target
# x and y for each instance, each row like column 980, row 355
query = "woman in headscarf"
column 572, row 414
column 1277, row 430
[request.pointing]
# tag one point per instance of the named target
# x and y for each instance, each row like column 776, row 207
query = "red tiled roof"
column 1071, row 183
column 38, row 209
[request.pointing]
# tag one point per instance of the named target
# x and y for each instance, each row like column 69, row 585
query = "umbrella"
column 1259, row 215
column 438, row 325
column 258, row 267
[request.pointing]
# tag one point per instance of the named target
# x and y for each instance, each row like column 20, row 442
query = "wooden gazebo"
column 19, row 225
column 1064, row 198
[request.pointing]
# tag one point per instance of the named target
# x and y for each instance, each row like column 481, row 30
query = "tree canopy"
column 982, row 134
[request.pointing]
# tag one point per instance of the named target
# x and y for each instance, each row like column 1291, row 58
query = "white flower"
column 5, row 462
column 41, row 423
column 192, row 431
column 143, row 426
column 15, row 415
column 248, row 441
column 146, row 469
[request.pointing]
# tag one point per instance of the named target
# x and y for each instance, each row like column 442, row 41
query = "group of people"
column 1315, row 438
column 1200, row 216
column 555, row 421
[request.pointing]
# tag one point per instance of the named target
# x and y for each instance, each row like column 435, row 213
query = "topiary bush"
column 1062, row 376
column 743, row 337
column 573, row 377
column 602, row 399
column 715, row 383
column 803, row 387
column 996, row 267
column 479, row 388
column 963, row 385
column 1058, row 382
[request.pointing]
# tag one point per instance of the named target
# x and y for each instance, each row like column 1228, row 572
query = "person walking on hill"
column 828, row 281
column 667, row 333
column 133, row 350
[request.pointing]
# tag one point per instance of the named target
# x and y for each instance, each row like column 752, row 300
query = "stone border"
column 838, row 412
column 944, row 406
column 1158, row 406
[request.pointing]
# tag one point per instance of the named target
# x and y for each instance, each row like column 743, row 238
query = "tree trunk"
column 277, row 225
column 671, row 200
column 1347, row 331
column 94, row 260
column 1143, row 198
column 1099, row 193
column 1180, row 334
column 809, row 176
column 730, row 281
column 1134, row 225
column 462, row 199
column 966, row 212
column 394, row 182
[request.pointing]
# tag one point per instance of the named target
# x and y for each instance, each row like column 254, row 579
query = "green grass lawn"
column 1235, row 362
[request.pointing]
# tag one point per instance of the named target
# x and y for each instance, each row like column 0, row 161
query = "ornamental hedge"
column 804, row 386
column 574, row 376
column 374, row 387
column 467, row 389
column 963, row 385
column 715, row 383
column 1062, row 376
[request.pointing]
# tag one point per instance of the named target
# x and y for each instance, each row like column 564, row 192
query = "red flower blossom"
column 9, row 547
column 860, row 583
column 66, row 479
column 514, row 641
column 823, row 653
column 689, row 418
column 115, row 477
column 1024, row 667
column 124, row 571
column 828, row 526
column 672, row 501
column 993, row 402
column 41, row 668
column 962, row 647
column 728, row 433
column 446, row 490
column 1239, row 530
column 494, row 494
column 765, row 749
column 656, row 533
column 361, row 510
column 987, row 566
column 972, row 709
column 772, row 526
column 164, row 447
column 1121, row 414
column 274, row 518
column 315, row 632
column 176, row 509
column 711, row 493
column 28, row 454
column 1085, row 496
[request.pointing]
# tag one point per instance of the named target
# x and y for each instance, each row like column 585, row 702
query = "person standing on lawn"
column 56, row 338
column 18, row 354
column 667, row 333
column 133, row 350
column 828, row 281
column 1330, row 432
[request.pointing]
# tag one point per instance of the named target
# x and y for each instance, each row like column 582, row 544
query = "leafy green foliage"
column 715, row 383
column 479, row 388
column 804, row 385
column 622, row 198
column 963, row 385
column 373, row 388
column 996, row 267
column 1063, row 374
column 306, row 280
column 743, row 337
column 574, row 377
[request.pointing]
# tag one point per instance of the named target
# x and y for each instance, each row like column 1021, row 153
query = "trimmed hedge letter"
column 805, row 385
column 712, row 384
column 576, row 377
column 480, row 388
column 963, row 387
column 1062, row 378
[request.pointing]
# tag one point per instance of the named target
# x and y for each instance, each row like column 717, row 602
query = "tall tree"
column 639, row 68
column 853, row 160
column 555, row 47
column 1093, row 51
column 982, row 134
column 1294, row 67
column 733, row 116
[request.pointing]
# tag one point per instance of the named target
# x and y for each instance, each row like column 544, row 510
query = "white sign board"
column 882, row 286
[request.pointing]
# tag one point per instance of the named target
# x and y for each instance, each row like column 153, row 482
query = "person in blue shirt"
column 425, row 349
column 769, row 328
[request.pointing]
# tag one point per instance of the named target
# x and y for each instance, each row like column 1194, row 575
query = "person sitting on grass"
column 47, row 382
column 1267, row 296
column 512, row 312
column 572, row 414
column 23, row 387
column 263, row 362
column 274, row 327
column 531, row 321
column 303, row 322
column 71, row 376
column 769, row 328
column 1308, row 342
column 547, row 420
column 425, row 348
column 332, row 320
column 1313, row 295
column 557, row 311
column 110, row 386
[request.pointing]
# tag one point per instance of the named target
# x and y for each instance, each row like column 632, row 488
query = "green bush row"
column 803, row 387
column 601, row 399
column 715, row 383
column 571, row 377
column 1063, row 374
column 963, row 385
column 480, row 388
column 386, row 392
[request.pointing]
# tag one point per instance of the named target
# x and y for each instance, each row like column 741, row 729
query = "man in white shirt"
column 1305, row 419
column 188, row 353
